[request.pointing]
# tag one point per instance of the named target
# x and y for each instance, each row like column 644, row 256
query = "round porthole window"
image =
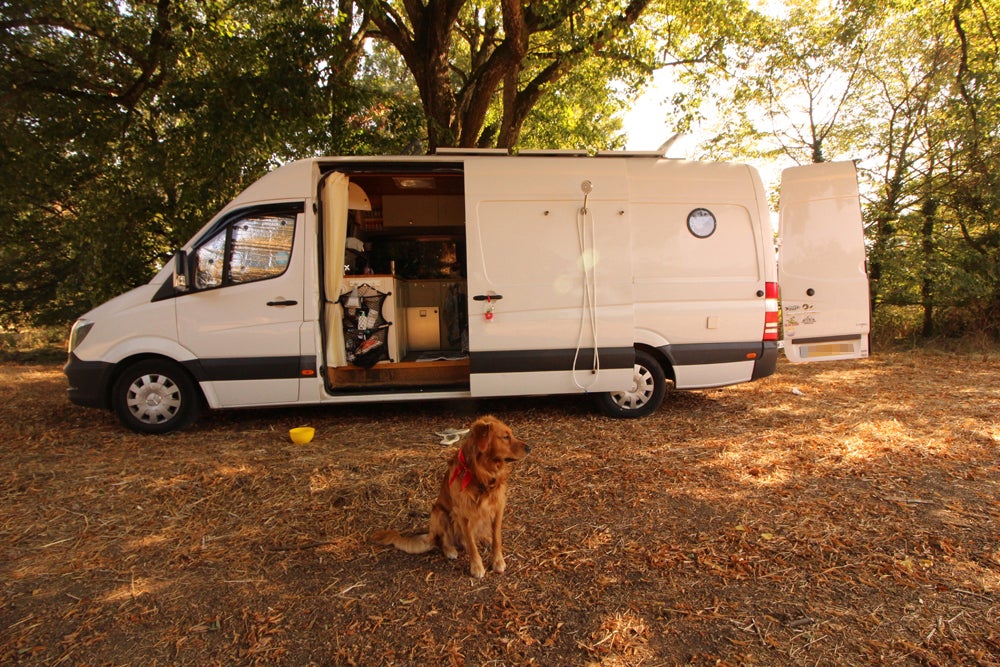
column 701, row 223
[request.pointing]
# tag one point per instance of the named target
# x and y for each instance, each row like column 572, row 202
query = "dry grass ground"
column 839, row 514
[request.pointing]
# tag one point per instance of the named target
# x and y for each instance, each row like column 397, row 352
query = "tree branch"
column 526, row 98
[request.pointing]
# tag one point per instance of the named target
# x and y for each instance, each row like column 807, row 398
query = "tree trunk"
column 423, row 40
column 424, row 46
column 929, row 213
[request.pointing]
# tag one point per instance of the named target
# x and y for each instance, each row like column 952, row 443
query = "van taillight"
column 770, row 311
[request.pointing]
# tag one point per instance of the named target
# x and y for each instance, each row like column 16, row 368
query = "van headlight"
column 79, row 331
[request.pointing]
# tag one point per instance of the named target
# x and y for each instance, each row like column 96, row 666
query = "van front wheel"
column 649, row 386
column 155, row 396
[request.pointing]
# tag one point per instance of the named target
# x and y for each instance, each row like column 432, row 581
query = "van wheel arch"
column 663, row 360
column 653, row 379
column 154, row 394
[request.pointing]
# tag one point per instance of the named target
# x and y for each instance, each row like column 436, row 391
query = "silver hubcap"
column 153, row 398
column 639, row 394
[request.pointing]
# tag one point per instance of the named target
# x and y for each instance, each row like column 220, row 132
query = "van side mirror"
column 181, row 271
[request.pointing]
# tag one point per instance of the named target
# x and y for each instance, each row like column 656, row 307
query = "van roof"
column 296, row 180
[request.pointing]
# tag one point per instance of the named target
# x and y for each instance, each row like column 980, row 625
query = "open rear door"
column 821, row 264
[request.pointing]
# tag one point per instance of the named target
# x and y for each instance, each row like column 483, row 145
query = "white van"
column 477, row 273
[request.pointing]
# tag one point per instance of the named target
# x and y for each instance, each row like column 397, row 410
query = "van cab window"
column 253, row 247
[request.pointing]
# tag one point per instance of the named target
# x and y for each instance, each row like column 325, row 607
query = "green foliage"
column 935, row 241
column 383, row 115
column 584, row 113
column 34, row 345
column 909, row 90
column 483, row 69
column 125, row 125
column 128, row 124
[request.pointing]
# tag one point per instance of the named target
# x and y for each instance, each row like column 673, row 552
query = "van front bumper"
column 88, row 382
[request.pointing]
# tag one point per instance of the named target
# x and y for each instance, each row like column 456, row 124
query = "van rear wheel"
column 649, row 386
column 155, row 396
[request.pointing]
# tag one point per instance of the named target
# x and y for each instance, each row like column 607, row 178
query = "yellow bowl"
column 302, row 434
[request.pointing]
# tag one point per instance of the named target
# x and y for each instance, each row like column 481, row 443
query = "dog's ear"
column 481, row 434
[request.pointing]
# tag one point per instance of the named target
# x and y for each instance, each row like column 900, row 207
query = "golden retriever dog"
column 470, row 506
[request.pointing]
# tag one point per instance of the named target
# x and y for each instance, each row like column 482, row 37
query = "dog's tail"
column 416, row 544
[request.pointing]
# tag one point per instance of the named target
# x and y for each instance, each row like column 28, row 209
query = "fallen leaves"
column 852, row 522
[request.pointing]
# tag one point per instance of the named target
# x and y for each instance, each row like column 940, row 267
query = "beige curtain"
column 335, row 198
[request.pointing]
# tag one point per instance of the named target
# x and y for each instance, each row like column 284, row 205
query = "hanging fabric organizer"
column 365, row 329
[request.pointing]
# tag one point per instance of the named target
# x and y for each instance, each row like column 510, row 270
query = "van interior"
column 397, row 318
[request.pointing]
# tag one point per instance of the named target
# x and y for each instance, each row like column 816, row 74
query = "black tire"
column 647, row 392
column 155, row 396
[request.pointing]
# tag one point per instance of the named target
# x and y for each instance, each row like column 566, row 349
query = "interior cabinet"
column 423, row 211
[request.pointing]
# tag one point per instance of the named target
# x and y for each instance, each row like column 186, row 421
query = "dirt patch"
column 833, row 514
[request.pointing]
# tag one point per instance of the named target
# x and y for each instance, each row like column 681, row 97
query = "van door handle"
column 484, row 297
column 282, row 303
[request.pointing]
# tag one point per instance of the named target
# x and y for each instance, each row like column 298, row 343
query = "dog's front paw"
column 477, row 570
column 450, row 552
column 499, row 565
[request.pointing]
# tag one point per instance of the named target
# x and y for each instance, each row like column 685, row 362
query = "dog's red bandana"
column 463, row 470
